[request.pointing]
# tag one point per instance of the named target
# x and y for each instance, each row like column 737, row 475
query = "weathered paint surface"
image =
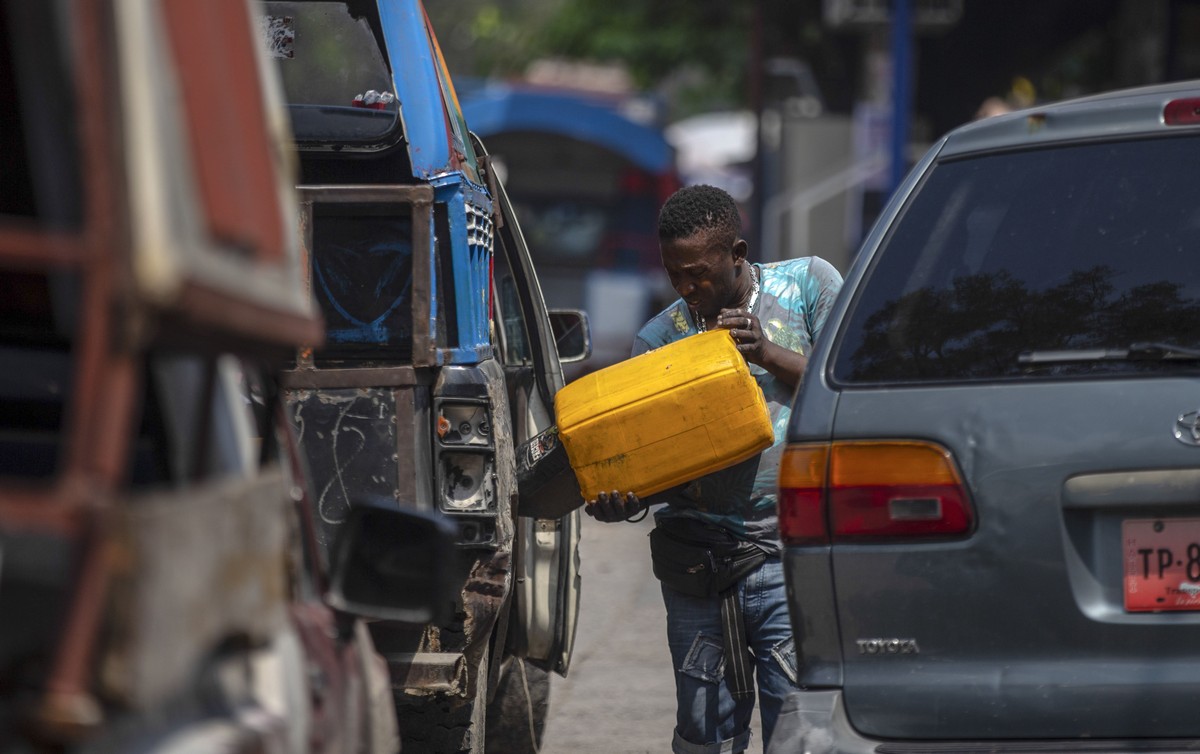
column 192, row 575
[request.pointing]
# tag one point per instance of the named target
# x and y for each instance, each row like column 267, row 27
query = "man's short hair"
column 694, row 209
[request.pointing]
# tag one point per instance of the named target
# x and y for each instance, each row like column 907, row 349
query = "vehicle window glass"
column 509, row 316
column 446, row 317
column 272, row 447
column 604, row 222
column 38, row 117
column 206, row 425
column 564, row 231
column 458, row 125
column 150, row 450
column 37, row 323
column 256, row 399
column 33, row 410
column 1089, row 246
column 187, row 434
column 330, row 61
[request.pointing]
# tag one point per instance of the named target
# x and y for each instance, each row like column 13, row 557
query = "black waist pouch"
column 700, row 560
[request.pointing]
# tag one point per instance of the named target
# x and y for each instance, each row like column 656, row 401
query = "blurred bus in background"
column 587, row 181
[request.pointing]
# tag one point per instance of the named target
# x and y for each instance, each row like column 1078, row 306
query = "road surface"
column 619, row 695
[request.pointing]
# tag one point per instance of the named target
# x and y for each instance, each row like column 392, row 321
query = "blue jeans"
column 708, row 720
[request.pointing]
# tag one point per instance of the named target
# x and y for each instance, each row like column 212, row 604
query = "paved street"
column 619, row 696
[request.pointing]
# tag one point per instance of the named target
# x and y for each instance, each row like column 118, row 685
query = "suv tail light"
column 1182, row 112
column 802, row 474
column 865, row 490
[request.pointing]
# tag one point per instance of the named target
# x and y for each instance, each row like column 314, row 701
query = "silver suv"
column 990, row 499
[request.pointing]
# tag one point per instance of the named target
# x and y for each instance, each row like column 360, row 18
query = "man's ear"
column 740, row 250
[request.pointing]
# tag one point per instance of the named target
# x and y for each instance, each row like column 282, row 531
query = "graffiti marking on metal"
column 279, row 33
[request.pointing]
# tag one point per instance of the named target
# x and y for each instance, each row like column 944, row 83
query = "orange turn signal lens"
column 802, row 475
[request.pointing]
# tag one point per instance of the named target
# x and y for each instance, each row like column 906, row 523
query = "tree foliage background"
column 696, row 53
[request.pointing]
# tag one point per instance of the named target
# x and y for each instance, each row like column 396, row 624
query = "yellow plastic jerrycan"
column 663, row 418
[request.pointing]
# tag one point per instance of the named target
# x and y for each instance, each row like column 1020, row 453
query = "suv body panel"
column 1022, row 621
column 1019, row 626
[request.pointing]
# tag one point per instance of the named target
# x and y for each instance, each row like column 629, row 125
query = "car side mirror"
column 572, row 334
column 393, row 565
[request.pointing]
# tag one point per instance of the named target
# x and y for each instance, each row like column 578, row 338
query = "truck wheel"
column 516, row 718
column 443, row 724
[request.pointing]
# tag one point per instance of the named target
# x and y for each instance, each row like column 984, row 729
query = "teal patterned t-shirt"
column 794, row 301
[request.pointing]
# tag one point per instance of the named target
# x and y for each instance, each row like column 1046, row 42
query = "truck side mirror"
column 393, row 565
column 572, row 334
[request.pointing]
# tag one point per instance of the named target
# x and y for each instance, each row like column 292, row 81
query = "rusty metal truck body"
column 162, row 588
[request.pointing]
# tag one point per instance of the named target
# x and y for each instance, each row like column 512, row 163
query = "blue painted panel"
column 469, row 211
column 414, row 76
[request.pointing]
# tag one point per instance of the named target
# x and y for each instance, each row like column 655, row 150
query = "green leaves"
column 695, row 51
column 654, row 40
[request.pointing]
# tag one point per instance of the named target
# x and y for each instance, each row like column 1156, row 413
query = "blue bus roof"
column 500, row 109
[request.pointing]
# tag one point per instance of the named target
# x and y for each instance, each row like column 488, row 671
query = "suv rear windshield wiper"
column 1135, row 352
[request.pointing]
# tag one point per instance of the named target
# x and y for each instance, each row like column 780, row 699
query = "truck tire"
column 516, row 718
column 443, row 724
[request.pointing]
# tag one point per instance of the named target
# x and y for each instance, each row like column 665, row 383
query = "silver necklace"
column 701, row 326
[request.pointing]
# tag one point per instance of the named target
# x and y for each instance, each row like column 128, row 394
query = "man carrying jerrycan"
column 715, row 545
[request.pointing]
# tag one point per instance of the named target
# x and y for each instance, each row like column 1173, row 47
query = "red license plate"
column 1162, row 563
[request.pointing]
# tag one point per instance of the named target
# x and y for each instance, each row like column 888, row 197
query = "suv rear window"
column 1071, row 247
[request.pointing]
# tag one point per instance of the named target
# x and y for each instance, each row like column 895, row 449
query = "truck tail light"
column 465, row 458
column 871, row 490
